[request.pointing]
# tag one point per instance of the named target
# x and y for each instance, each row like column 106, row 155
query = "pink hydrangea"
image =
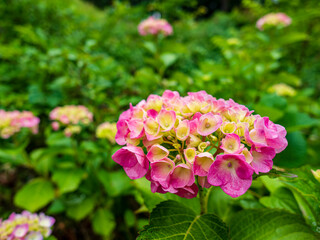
column 71, row 118
column 26, row 226
column 12, row 122
column 178, row 143
column 154, row 26
column 273, row 19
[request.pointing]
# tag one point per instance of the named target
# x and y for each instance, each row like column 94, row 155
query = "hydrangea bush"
column 180, row 143
column 70, row 117
column 26, row 226
column 12, row 122
column 273, row 19
column 107, row 130
column 154, row 26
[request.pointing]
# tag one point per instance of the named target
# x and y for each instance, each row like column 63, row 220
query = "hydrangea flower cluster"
column 12, row 122
column 107, row 130
column 26, row 226
column 273, row 19
column 154, row 26
column 174, row 141
column 283, row 89
column 71, row 117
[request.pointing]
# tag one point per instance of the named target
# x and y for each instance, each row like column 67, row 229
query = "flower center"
column 207, row 125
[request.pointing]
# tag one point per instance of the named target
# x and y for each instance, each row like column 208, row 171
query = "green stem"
column 203, row 202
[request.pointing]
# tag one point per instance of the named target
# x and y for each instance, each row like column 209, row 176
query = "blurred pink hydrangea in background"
column 71, row 117
column 177, row 142
column 12, row 122
column 26, row 226
column 273, row 19
column 154, row 26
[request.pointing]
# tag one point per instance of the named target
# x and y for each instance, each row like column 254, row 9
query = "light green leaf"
column 34, row 195
column 282, row 198
column 81, row 210
column 173, row 220
column 150, row 46
column 103, row 222
column 293, row 37
column 67, row 180
column 306, row 190
column 168, row 59
column 269, row 224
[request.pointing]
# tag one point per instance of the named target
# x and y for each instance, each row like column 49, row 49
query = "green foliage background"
column 60, row 52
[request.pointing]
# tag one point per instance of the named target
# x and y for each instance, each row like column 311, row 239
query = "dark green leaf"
column 82, row 209
column 173, row 220
column 269, row 224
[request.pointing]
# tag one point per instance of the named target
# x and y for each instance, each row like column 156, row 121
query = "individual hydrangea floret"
column 107, row 130
column 180, row 143
column 154, row 26
column 273, row 19
column 12, row 122
column 26, row 226
column 71, row 118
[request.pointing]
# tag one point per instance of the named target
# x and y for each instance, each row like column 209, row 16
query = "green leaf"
column 282, row 198
column 59, row 139
column 269, row 224
column 81, row 210
column 306, row 190
column 168, row 59
column 152, row 199
column 272, row 184
column 294, row 121
column 115, row 183
column 273, row 113
column 150, row 46
column 293, row 37
column 67, row 180
column 295, row 154
column 57, row 206
column 219, row 203
column 34, row 195
column 103, row 222
column 173, row 220
column 12, row 156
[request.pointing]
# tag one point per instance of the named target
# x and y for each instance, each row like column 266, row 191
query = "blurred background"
column 72, row 52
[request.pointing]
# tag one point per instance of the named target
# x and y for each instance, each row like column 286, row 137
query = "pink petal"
column 188, row 192
column 157, row 152
column 202, row 164
column 232, row 173
column 161, row 169
column 209, row 123
column 262, row 159
column 182, row 176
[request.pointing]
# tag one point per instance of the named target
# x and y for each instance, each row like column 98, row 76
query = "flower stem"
column 203, row 203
